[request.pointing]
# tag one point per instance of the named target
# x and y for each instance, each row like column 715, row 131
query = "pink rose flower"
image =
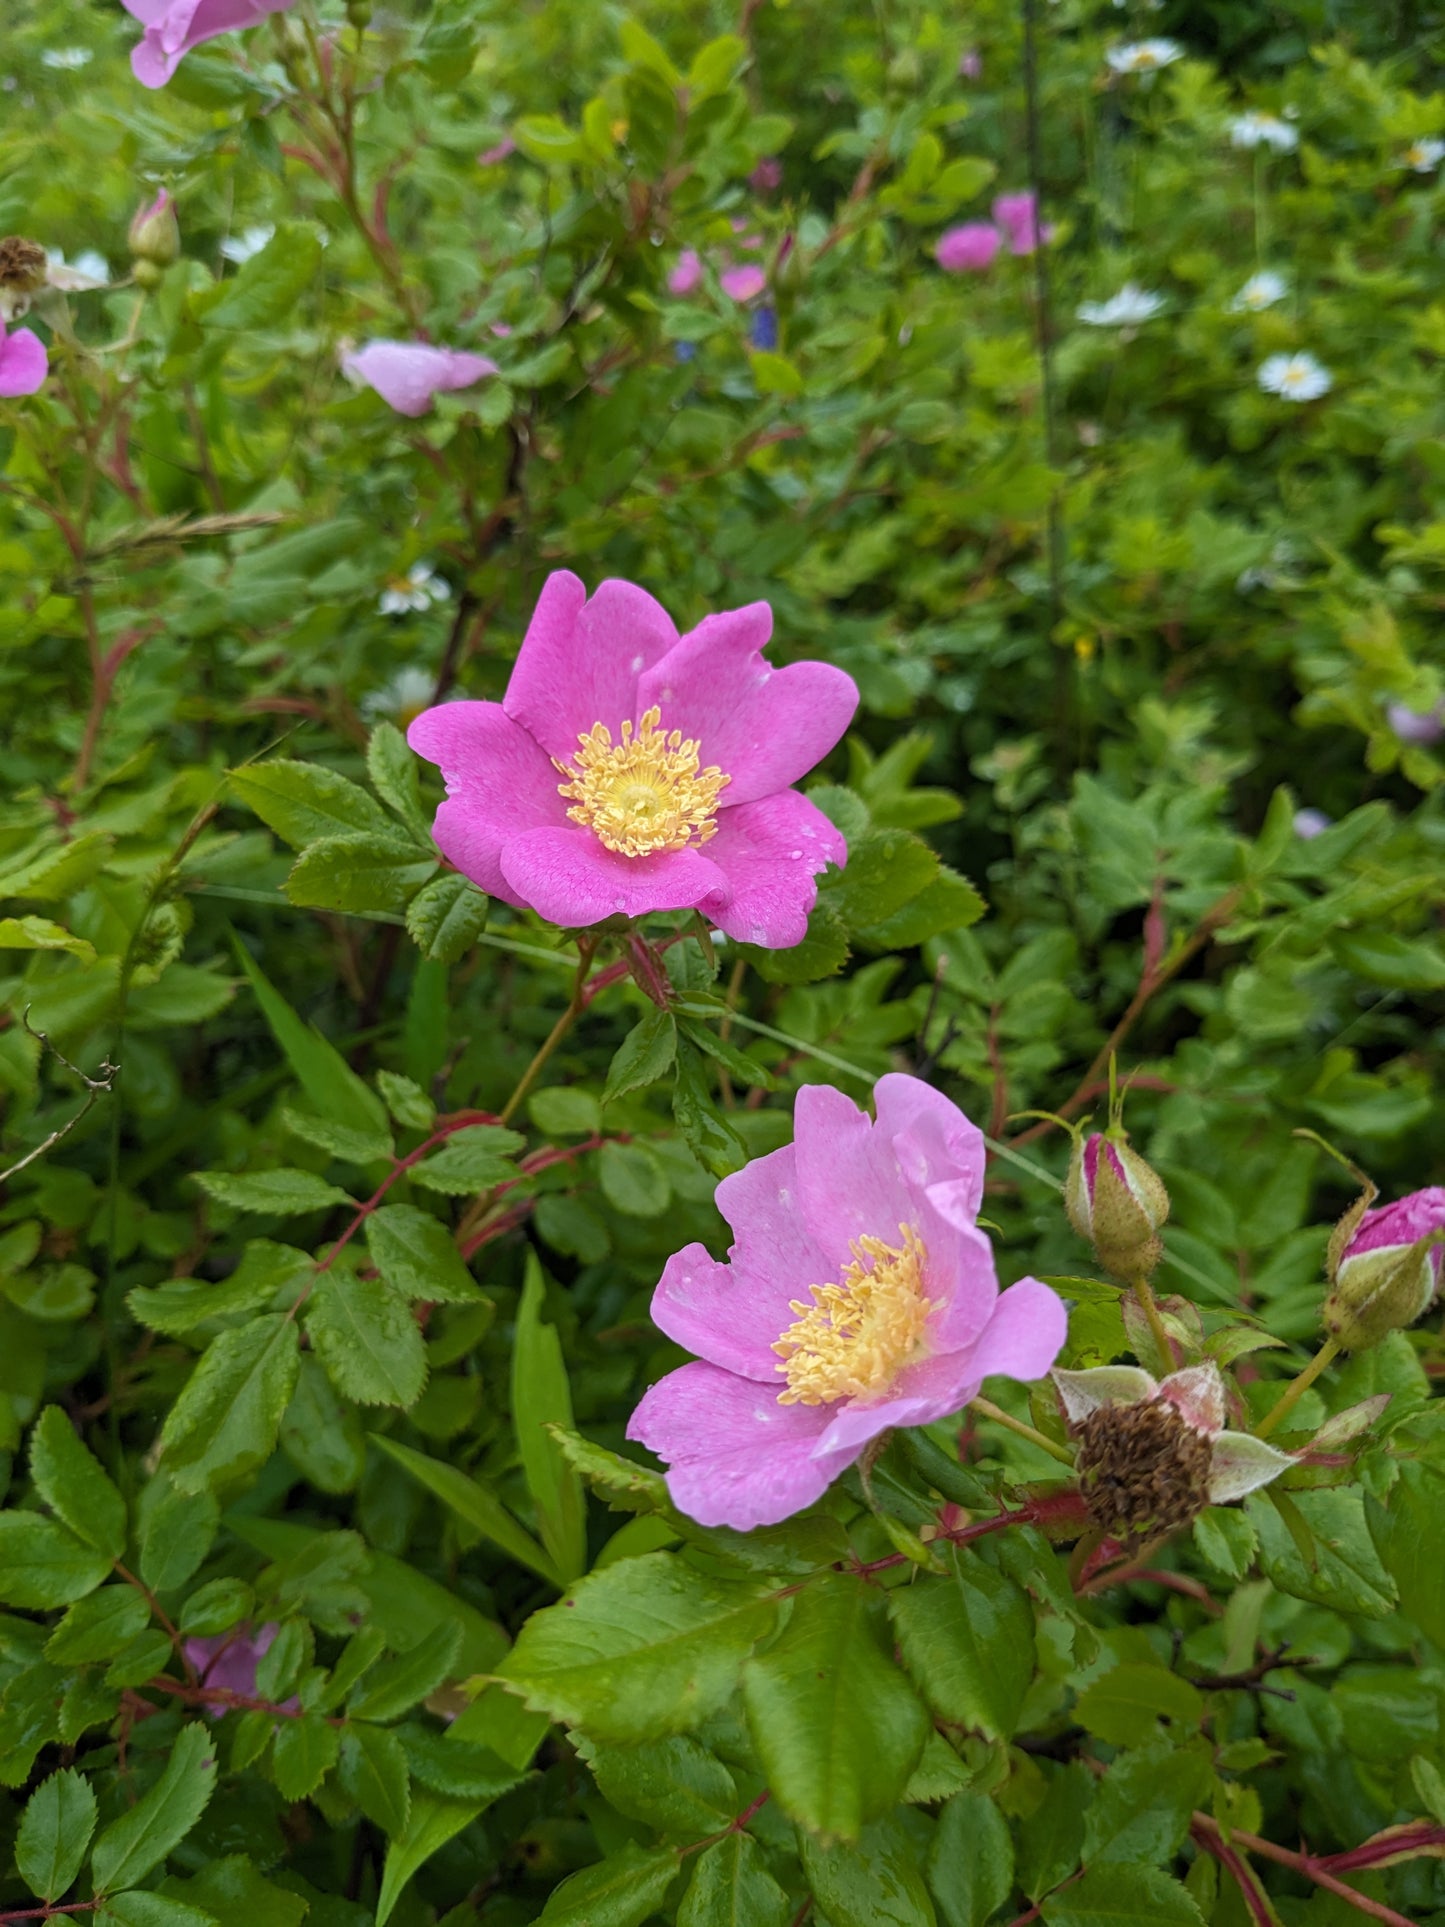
column 1018, row 216
column 173, row 27
column 766, row 176
column 859, row 1294
column 743, row 284
column 228, row 1661
column 686, row 276
column 24, row 363
column 967, row 249
column 630, row 769
column 407, row 374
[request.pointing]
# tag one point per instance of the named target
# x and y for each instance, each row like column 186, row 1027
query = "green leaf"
column 407, row 1102
column 446, row 916
column 474, row 1504
column 343, row 1141
column 268, row 1273
column 545, row 138
column 874, row 1884
column 837, row 1726
column 675, row 1785
column 43, row 1564
column 304, row 1752
column 715, row 66
column 1343, row 1569
column 710, row 1138
column 416, row 1255
column 455, row 1767
column 272, row 1194
column 367, row 1337
column 362, row 874
column 265, row 290
column 39, row 933
column 396, row 1687
column 1126, row 1704
column 392, row 768
column 1114, row 1896
column 639, row 1650
column 968, row 1641
column 216, row 1607
column 320, row 1069
column 70, row 1480
column 620, row 1891
column 233, row 1893
column 633, row 1180
column 322, row 1437
column 1051, row 1838
column 303, row 802
column 142, row 1837
column 224, row 1423
column 434, row 1820
column 644, row 1055
column 737, row 1063
column 142, row 1909
column 175, row 1530
column 373, row 1771
column 970, row 1861
column 472, row 1160
column 54, row 1832
column 822, row 952
column 1406, row 1531
column 1141, row 1811
column 774, row 374
column 731, row 1887
column 98, row 1626
column 541, row 1398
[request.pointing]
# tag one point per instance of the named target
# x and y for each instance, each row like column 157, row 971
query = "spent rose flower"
column 1297, row 377
column 1388, row 1271
column 227, row 1662
column 409, row 374
column 1152, row 1454
column 173, row 27
column 24, row 363
column 630, row 769
column 859, row 1294
column 967, row 249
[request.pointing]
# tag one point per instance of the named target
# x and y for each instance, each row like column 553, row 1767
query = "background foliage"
column 1109, row 635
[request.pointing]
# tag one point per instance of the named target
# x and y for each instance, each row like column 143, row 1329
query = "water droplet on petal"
column 757, row 934
column 619, row 903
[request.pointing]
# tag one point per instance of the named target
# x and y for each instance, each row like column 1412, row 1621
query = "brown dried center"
column 22, row 264
column 1144, row 1470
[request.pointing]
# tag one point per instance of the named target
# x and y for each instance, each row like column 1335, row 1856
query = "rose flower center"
column 645, row 793
column 858, row 1334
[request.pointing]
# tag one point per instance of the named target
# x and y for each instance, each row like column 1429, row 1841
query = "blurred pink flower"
column 1416, row 725
column 500, row 152
column 1018, row 216
column 743, row 284
column 228, row 1662
column 766, row 176
column 859, row 1294
column 970, row 64
column 629, row 769
column 173, row 27
column 24, row 363
column 686, row 276
column 967, row 249
column 407, row 374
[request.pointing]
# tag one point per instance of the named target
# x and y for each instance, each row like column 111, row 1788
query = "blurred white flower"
column 68, row 58
column 1416, row 725
column 1295, row 377
column 240, row 247
column 1423, row 156
column 87, row 271
column 1130, row 305
column 1309, row 824
column 419, row 588
column 402, row 699
column 1261, row 290
column 1255, row 129
column 1143, row 56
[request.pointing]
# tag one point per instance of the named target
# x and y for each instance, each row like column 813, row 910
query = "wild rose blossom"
column 686, row 275
column 1018, row 216
column 630, row 769
column 1153, row 1453
column 173, row 27
column 967, row 249
column 409, row 374
column 24, row 362
column 859, row 1294
column 744, row 283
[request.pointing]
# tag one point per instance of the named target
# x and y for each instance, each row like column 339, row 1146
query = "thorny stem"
column 159, row 1612
column 1297, row 1388
column 228, row 1700
column 988, row 1409
column 1034, row 1512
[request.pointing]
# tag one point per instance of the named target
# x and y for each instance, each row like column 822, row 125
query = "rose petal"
column 581, row 660
column 499, row 785
column 725, row 1314
column 569, row 877
column 1082, row 1393
column 23, row 363
column 848, row 1185
column 407, row 374
column 1239, row 1464
column 771, row 853
column 1198, row 1394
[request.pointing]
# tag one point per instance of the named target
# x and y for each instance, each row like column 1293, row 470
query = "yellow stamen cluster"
column 645, row 793
column 857, row 1335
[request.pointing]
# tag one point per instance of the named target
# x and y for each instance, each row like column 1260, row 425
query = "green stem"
column 554, row 1037
column 988, row 1409
column 1297, row 1387
column 1144, row 1292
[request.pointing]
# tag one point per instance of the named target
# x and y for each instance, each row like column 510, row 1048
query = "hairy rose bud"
column 155, row 235
column 1385, row 1267
column 1118, row 1202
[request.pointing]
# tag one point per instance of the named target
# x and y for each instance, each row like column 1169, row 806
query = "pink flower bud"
column 1388, row 1272
column 155, row 234
column 967, row 249
column 1118, row 1202
column 970, row 64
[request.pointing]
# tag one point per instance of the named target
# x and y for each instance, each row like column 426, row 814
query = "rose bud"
column 155, row 235
column 1118, row 1202
column 1385, row 1267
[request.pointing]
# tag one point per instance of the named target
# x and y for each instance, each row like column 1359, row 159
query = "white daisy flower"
column 70, row 59
column 402, row 699
column 240, row 247
column 1295, row 377
column 1143, row 56
column 1129, row 306
column 419, row 588
column 1263, row 130
column 1260, row 291
column 1423, row 156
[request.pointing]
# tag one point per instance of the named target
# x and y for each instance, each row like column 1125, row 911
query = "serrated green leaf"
column 373, row 1770
column 472, row 1160
column 272, row 1194
column 98, row 1626
column 541, row 1399
column 70, row 1480
column 303, row 1753
column 395, row 1687
column 970, row 1861
column 876, row 1883
column 620, row 1891
column 322, row 1072
column 446, row 917
column 225, row 1421
column 43, row 1564
column 367, row 1337
column 1125, row 1705
column 265, row 289
column 54, row 1832
column 675, row 1785
column 365, row 874
column 39, row 933
column 1141, row 1812
column 731, row 1887
column 304, row 802
column 142, row 1837
column 434, row 1820
column 643, row 1056
column 1114, row 1896
column 968, row 1641
column 417, row 1257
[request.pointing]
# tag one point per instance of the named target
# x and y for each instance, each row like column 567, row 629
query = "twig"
column 95, row 1088
column 1312, row 1867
